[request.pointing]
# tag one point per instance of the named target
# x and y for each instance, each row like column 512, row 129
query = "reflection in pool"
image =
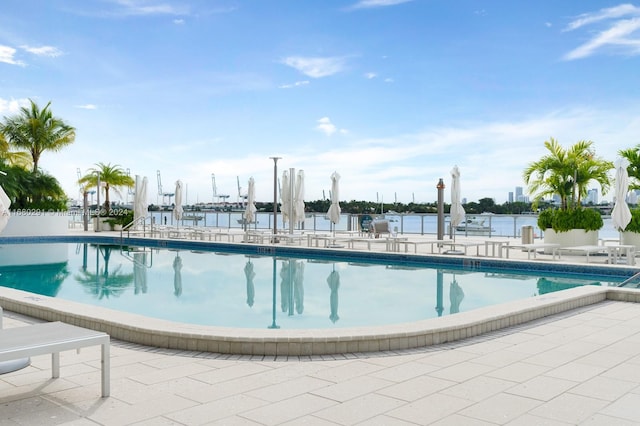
column 237, row 290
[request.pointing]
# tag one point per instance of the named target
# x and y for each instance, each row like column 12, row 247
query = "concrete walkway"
column 580, row 367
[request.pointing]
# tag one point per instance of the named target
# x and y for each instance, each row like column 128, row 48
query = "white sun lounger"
column 587, row 250
column 534, row 247
column 53, row 338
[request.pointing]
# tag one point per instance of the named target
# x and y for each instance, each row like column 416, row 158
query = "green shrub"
column 634, row 225
column 565, row 220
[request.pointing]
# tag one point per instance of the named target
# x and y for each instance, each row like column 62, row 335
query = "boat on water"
column 475, row 225
column 244, row 221
column 192, row 217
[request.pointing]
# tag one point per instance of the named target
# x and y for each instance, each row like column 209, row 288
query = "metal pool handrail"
column 628, row 280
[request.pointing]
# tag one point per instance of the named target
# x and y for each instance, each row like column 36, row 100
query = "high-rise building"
column 592, row 196
column 511, row 196
column 519, row 194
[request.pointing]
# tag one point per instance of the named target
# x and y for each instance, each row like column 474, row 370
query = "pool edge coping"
column 239, row 341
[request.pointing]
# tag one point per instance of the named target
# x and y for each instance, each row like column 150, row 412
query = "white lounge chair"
column 378, row 227
column 53, row 338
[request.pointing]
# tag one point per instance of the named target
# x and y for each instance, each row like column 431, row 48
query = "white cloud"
column 178, row 21
column 87, row 106
column 618, row 37
column 7, row 56
column 327, row 127
column 49, row 51
column 296, row 84
column 148, row 7
column 368, row 4
column 12, row 106
column 370, row 75
column 316, row 67
column 603, row 14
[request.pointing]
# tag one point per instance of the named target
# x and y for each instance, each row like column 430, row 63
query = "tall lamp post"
column 275, row 198
column 98, row 207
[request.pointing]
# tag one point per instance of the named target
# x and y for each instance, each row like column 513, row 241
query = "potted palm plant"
column 108, row 177
column 631, row 233
column 566, row 173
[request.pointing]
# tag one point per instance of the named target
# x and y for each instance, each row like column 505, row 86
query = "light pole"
column 98, row 202
column 275, row 198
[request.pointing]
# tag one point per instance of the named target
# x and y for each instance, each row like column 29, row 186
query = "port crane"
column 83, row 189
column 163, row 194
column 242, row 198
column 215, row 191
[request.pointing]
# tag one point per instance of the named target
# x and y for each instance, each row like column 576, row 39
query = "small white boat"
column 244, row 221
column 475, row 225
column 192, row 217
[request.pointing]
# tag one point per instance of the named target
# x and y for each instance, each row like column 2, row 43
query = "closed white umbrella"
column 140, row 203
column 457, row 212
column 298, row 203
column 334, row 208
column 5, row 203
column 250, row 211
column 177, row 209
column 285, row 197
column 621, row 215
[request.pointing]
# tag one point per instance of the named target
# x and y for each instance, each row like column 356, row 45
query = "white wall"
column 34, row 222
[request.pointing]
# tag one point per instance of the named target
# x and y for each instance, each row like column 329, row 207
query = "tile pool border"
column 166, row 334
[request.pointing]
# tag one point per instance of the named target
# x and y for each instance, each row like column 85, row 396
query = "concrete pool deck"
column 576, row 366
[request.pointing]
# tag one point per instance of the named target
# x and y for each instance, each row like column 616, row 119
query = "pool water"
column 236, row 290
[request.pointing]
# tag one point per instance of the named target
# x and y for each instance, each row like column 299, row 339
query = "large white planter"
column 630, row 238
column 571, row 238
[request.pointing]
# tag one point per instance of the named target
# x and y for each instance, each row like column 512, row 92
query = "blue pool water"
column 239, row 290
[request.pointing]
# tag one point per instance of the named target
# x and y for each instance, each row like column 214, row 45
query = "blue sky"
column 391, row 94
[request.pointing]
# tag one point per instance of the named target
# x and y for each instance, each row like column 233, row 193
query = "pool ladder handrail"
column 127, row 228
column 628, row 280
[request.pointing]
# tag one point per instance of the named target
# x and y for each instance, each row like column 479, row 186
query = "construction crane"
column 215, row 190
column 163, row 194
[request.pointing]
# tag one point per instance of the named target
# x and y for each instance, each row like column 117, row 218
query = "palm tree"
column 633, row 155
column 36, row 130
column 28, row 190
column 14, row 158
column 567, row 173
column 111, row 177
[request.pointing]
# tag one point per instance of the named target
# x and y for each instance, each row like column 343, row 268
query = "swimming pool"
column 276, row 333
column 239, row 290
